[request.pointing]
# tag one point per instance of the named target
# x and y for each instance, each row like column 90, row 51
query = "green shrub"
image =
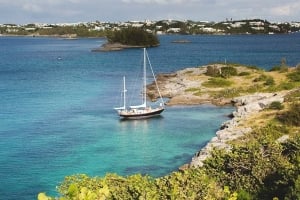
column 262, row 77
column 254, row 68
column 244, row 74
column 292, row 116
column 217, row 82
column 213, row 71
column 293, row 96
column 294, row 76
column 228, row 93
column 195, row 91
column 269, row 81
column 275, row 68
column 244, row 195
column 286, row 86
column 226, row 72
column 276, row 105
column 254, row 88
column 281, row 68
column 192, row 90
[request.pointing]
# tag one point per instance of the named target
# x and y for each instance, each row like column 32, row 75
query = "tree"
column 133, row 36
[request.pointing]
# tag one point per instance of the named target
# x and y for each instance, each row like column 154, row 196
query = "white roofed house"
column 173, row 30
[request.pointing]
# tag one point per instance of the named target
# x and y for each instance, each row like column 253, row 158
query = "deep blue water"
column 56, row 100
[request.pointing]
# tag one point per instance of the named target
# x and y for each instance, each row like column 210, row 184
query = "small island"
column 129, row 38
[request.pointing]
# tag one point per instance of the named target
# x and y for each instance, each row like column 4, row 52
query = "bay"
column 56, row 100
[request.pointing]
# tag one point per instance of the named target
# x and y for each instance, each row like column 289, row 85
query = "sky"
column 72, row 11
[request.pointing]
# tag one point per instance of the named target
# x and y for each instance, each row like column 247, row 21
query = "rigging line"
column 118, row 100
column 155, row 79
column 135, row 89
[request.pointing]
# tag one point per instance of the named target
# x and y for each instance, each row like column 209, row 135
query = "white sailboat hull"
column 140, row 114
column 140, row 111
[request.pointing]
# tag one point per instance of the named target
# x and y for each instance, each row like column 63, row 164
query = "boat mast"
column 145, row 81
column 161, row 99
column 124, row 91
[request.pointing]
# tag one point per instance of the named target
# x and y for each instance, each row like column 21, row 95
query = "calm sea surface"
column 56, row 100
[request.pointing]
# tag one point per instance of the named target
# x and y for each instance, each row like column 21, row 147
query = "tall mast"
column 145, row 81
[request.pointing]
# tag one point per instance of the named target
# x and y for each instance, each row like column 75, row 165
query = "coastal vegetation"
column 231, row 80
column 262, row 164
column 103, row 29
column 217, row 82
column 133, row 37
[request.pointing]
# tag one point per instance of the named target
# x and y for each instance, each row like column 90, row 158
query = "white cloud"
column 26, row 11
column 286, row 10
column 157, row 1
column 32, row 8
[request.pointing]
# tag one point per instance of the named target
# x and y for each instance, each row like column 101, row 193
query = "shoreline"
column 114, row 47
column 107, row 47
column 246, row 107
column 175, row 86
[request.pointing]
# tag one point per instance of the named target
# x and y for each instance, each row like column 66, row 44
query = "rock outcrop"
column 231, row 130
column 187, row 87
column 174, row 86
column 114, row 47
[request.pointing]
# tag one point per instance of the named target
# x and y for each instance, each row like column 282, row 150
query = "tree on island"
column 133, row 37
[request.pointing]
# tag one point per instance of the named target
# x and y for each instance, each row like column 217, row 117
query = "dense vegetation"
column 100, row 29
column 133, row 36
column 264, row 164
column 55, row 30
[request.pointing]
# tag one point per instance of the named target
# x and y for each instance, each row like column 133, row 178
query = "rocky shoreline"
column 246, row 107
column 115, row 47
column 175, row 86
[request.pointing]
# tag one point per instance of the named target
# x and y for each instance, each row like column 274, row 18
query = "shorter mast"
column 124, row 96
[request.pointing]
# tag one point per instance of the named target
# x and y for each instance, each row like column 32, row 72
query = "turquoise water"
column 56, row 115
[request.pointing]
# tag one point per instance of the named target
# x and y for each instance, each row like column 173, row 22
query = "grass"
column 246, row 80
column 217, row 82
column 244, row 74
column 195, row 91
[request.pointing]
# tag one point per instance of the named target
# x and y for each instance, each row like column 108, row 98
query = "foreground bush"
column 276, row 105
column 262, row 168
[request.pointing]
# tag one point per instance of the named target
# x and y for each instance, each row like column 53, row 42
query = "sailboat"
column 143, row 110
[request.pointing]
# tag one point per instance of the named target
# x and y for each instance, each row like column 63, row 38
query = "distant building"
column 173, row 30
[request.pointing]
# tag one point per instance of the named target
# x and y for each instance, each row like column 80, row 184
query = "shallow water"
column 56, row 116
